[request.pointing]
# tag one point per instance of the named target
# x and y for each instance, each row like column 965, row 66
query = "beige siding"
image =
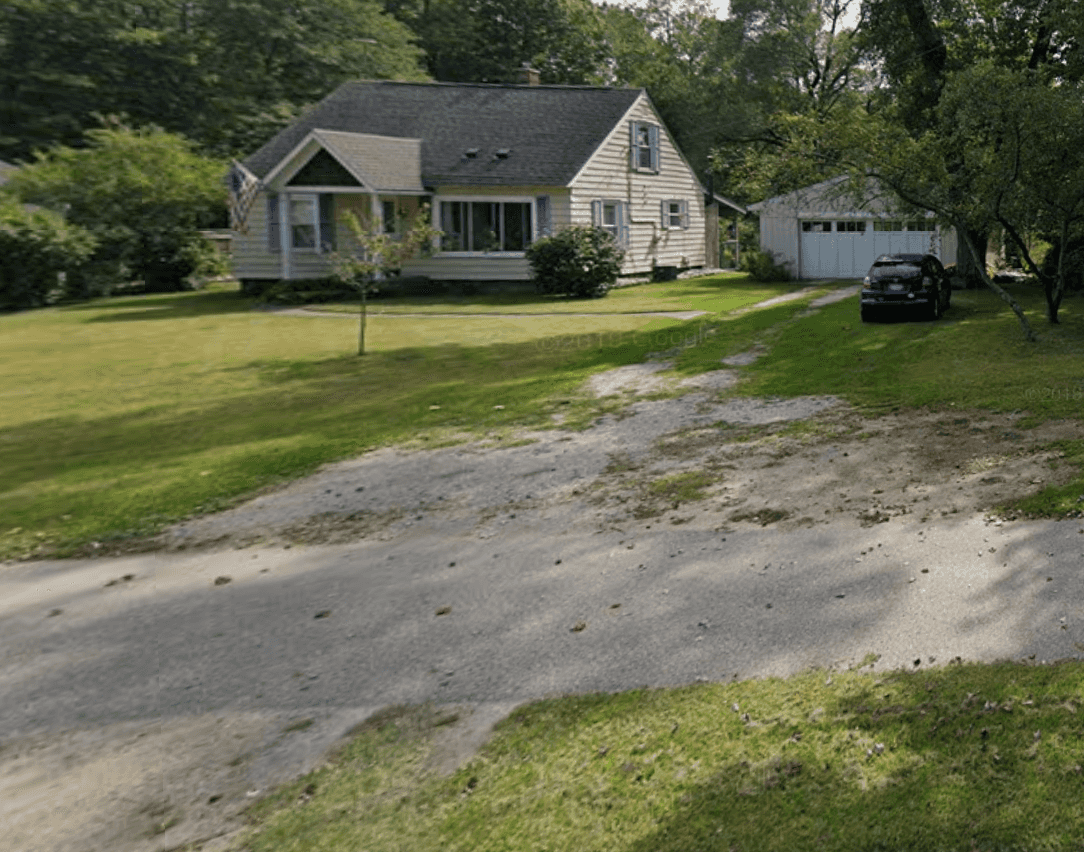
column 608, row 176
column 478, row 268
column 251, row 259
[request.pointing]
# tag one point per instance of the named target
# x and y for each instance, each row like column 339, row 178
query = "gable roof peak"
column 553, row 130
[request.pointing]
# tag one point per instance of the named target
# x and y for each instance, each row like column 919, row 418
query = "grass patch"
column 973, row 358
column 959, row 758
column 119, row 416
column 1057, row 501
column 685, row 487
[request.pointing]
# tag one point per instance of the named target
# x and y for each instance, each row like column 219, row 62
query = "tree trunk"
column 1056, row 288
column 361, row 321
column 971, row 265
column 1002, row 293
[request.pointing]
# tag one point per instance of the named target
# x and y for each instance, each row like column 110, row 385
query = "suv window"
column 896, row 269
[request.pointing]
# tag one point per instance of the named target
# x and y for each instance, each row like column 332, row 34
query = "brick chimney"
column 528, row 76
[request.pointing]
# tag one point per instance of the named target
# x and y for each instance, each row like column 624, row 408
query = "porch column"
column 377, row 213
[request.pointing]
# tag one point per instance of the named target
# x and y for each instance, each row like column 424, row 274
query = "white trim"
column 682, row 214
column 312, row 137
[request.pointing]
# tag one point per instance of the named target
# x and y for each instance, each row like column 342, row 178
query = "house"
column 498, row 165
column 820, row 231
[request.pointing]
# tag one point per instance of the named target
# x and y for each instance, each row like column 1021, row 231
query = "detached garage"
column 817, row 232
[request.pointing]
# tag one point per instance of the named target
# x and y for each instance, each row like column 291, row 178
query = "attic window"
column 471, row 153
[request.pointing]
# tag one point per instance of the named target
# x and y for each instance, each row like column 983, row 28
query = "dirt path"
column 147, row 700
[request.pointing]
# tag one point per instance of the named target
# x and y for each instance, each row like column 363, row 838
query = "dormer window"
column 470, row 153
column 503, row 153
column 644, row 146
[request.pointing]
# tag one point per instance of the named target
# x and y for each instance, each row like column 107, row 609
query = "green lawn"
column 714, row 293
column 964, row 757
column 118, row 416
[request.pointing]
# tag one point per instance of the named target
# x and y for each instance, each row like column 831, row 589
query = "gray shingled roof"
column 384, row 163
column 550, row 131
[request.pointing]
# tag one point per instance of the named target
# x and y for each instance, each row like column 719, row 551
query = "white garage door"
column 846, row 248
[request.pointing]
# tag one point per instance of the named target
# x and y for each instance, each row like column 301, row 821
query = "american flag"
column 243, row 186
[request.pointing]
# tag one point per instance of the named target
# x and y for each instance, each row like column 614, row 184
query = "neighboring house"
column 821, row 232
column 499, row 166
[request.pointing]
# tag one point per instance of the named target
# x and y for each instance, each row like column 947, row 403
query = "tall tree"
column 490, row 40
column 219, row 71
column 798, row 61
column 921, row 45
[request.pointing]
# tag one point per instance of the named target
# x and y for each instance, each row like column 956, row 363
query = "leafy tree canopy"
column 223, row 72
column 143, row 195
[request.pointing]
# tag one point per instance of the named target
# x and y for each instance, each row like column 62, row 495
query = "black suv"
column 901, row 282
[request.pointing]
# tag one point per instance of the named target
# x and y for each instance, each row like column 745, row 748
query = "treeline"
column 226, row 74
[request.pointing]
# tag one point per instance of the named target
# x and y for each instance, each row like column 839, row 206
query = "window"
column 675, row 214
column 483, row 226
column 817, row 227
column 542, row 211
column 902, row 225
column 851, row 226
column 312, row 222
column 303, row 222
column 612, row 216
column 387, row 211
column 644, row 145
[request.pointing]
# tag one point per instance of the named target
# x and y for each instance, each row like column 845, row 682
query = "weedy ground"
column 964, row 757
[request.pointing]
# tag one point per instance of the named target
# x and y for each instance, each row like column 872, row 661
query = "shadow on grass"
column 944, row 760
column 162, row 306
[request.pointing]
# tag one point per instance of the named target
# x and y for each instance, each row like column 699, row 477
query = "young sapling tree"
column 374, row 255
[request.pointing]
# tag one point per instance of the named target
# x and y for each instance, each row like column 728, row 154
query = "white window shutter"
column 596, row 213
column 664, row 211
column 633, row 146
column 653, row 135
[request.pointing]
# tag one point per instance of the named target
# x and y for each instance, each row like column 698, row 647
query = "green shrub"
column 581, row 261
column 307, row 291
column 761, row 266
column 145, row 195
column 38, row 250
